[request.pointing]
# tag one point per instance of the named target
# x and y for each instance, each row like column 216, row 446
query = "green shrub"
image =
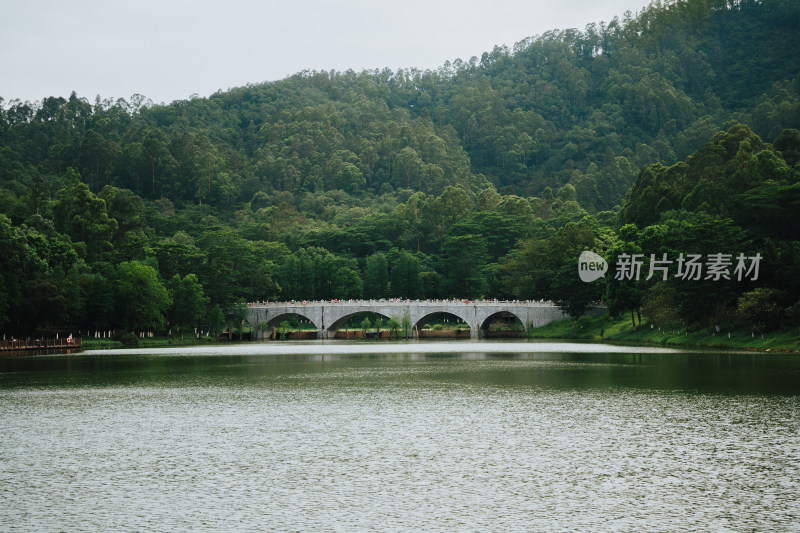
column 127, row 339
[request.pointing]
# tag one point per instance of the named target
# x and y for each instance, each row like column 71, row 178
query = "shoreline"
column 451, row 343
column 621, row 331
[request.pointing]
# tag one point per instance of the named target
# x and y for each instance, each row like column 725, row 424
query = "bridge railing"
column 401, row 302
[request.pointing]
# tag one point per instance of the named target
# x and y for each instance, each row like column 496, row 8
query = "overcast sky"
column 170, row 49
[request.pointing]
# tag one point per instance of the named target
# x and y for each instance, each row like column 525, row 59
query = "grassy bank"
column 597, row 328
column 156, row 342
column 621, row 330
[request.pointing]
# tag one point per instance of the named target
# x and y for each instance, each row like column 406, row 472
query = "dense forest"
column 670, row 131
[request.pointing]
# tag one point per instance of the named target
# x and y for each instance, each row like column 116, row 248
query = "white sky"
column 169, row 49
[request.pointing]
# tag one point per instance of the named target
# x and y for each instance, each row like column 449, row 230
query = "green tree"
column 453, row 205
column 571, row 294
column 407, row 168
column 189, row 304
column 526, row 272
column 216, row 319
column 347, row 284
column 392, row 326
column 238, row 314
column 376, row 276
column 406, row 325
column 661, row 306
column 626, row 294
column 350, row 178
column 100, row 302
column 235, row 268
column 124, row 207
column 679, row 236
column 82, row 215
column 157, row 154
column 177, row 258
column 142, row 298
column 405, row 280
column 547, row 268
column 283, row 329
column 464, row 260
column 760, row 310
column 128, row 211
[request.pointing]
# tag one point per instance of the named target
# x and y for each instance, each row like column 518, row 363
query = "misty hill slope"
column 589, row 108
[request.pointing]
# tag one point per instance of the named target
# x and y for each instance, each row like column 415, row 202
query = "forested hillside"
column 479, row 179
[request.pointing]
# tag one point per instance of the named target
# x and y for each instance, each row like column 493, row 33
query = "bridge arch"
column 268, row 322
column 341, row 321
column 277, row 319
column 418, row 323
column 486, row 321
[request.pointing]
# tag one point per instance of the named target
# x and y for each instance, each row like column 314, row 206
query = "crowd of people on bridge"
column 405, row 300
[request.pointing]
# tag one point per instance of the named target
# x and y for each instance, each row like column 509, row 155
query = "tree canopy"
column 669, row 130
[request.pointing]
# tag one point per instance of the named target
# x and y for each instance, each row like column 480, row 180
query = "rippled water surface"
column 528, row 437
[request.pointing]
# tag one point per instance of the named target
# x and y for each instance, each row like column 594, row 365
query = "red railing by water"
column 14, row 345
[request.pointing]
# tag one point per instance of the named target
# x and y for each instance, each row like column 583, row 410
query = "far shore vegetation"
column 598, row 328
column 671, row 133
column 620, row 330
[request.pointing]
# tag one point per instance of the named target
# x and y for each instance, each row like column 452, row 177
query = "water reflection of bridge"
column 329, row 316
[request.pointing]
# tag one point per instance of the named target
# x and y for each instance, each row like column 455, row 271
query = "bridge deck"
column 404, row 303
column 329, row 315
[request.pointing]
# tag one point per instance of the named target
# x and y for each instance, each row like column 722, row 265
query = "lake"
column 489, row 436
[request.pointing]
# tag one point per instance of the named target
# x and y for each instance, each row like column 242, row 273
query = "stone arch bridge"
column 329, row 316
